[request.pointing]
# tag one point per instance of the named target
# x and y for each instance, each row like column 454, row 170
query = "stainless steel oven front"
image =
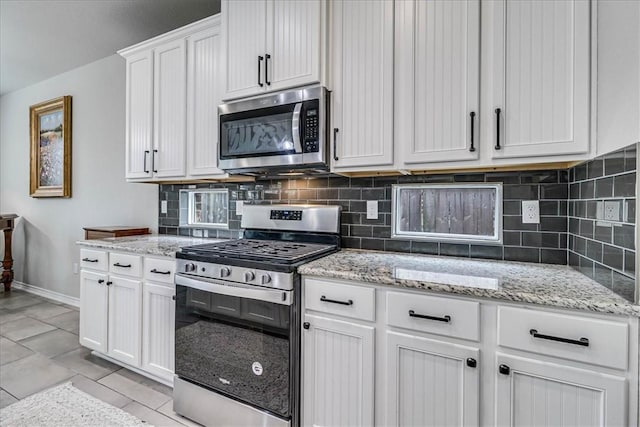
column 283, row 131
column 236, row 353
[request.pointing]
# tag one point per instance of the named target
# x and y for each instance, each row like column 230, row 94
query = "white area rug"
column 66, row 406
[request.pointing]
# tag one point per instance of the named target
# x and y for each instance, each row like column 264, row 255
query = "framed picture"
column 51, row 148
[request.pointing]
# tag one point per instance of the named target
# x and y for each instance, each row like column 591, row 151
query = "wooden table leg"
column 7, row 262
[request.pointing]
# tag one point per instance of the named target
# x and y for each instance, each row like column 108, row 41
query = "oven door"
column 235, row 339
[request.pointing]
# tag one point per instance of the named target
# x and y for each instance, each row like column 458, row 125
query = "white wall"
column 618, row 97
column 44, row 240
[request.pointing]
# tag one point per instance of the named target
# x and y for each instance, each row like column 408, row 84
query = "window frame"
column 495, row 239
column 187, row 213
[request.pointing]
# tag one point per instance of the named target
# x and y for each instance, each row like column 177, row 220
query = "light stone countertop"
column 543, row 284
column 150, row 244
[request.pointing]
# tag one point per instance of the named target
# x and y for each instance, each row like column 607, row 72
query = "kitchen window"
column 204, row 208
column 463, row 213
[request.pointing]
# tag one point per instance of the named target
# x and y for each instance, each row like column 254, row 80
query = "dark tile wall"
column 545, row 242
column 605, row 250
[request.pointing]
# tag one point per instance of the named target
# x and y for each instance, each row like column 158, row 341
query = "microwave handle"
column 295, row 127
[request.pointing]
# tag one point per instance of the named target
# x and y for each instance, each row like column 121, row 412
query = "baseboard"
column 56, row 296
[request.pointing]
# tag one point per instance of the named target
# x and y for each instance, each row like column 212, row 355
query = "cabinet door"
column 535, row 393
column 430, row 382
column 204, row 94
column 124, row 320
column 139, row 115
column 437, row 79
column 93, row 310
column 293, row 42
column 243, row 33
column 170, row 86
column 337, row 376
column 158, row 318
column 541, row 70
column 362, row 71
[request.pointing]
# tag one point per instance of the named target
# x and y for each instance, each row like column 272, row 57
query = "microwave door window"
column 258, row 136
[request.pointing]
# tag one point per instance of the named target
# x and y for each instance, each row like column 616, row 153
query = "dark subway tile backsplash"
column 568, row 232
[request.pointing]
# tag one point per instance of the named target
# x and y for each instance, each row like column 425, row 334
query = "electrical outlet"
column 612, row 211
column 239, row 207
column 530, row 212
column 372, row 209
column 75, row 268
column 197, row 233
column 163, row 206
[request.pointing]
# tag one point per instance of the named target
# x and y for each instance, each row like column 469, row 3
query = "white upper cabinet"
column 362, row 75
column 437, row 69
column 271, row 45
column 169, row 104
column 204, row 94
column 173, row 91
column 139, row 114
column 540, row 82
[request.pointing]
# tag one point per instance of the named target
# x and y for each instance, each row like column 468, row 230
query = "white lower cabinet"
column 386, row 356
column 536, row 393
column 158, row 314
column 431, row 382
column 124, row 319
column 94, row 299
column 338, row 372
column 129, row 317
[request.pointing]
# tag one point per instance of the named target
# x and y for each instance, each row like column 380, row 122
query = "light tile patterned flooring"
column 39, row 349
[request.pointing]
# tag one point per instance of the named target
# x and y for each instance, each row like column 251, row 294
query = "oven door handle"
column 236, row 290
column 295, row 127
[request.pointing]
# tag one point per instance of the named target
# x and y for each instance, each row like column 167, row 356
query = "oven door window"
column 236, row 346
column 263, row 132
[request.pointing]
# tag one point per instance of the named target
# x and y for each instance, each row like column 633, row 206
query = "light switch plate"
column 163, row 206
column 372, row 209
column 239, row 207
column 530, row 212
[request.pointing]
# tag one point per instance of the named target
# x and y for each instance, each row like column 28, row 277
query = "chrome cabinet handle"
column 445, row 319
column 146, row 153
column 160, row 272
column 153, row 161
column 335, row 144
column 117, row 264
column 89, row 260
column 584, row 342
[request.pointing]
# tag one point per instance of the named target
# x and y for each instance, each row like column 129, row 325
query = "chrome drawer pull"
column 160, row 272
column 89, row 260
column 117, row 264
column 325, row 299
column 445, row 319
column 582, row 341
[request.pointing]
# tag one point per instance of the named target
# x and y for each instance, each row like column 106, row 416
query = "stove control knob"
column 249, row 276
column 265, row 278
column 225, row 272
column 189, row 267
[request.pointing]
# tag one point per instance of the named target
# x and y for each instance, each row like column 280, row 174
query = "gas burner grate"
column 261, row 249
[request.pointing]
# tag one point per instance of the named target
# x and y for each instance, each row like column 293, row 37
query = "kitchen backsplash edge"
column 552, row 241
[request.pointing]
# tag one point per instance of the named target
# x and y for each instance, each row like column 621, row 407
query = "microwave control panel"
column 311, row 130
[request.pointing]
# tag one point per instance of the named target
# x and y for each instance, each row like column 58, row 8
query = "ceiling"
column 42, row 38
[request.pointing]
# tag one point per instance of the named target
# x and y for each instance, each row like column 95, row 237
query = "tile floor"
column 39, row 349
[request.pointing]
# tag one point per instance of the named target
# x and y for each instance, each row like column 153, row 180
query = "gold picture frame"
column 50, row 124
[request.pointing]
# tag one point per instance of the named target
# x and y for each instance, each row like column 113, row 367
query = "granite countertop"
column 149, row 244
column 544, row 284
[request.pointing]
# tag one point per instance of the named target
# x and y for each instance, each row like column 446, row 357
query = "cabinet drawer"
column 125, row 264
column 583, row 339
column 436, row 315
column 159, row 270
column 357, row 302
column 95, row 260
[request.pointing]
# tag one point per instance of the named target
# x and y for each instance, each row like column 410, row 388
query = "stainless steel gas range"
column 237, row 340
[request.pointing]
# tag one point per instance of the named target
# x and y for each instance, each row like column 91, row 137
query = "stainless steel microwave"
column 278, row 133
